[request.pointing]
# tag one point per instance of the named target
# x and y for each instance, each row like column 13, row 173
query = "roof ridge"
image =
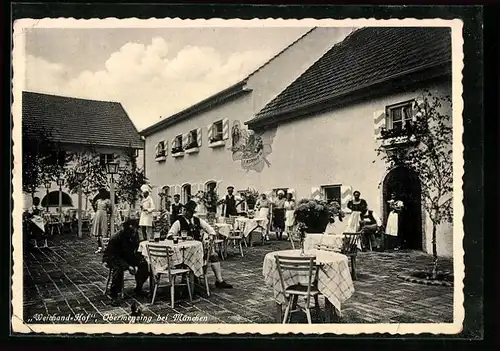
column 281, row 52
column 70, row 97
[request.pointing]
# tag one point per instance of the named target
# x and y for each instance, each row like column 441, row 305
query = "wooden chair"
column 236, row 233
column 160, row 252
column 350, row 249
column 207, row 251
column 235, row 237
column 292, row 293
column 257, row 231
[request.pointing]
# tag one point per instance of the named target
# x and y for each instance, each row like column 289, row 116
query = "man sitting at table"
column 121, row 255
column 194, row 227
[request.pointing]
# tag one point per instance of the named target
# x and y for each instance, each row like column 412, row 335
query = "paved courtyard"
column 69, row 280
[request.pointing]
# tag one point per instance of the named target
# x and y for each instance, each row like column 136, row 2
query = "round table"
column 189, row 253
column 334, row 277
column 248, row 225
column 334, row 241
column 223, row 228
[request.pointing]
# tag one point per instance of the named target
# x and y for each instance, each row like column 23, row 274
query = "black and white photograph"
column 236, row 176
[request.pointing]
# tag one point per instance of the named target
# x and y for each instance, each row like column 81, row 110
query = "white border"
column 24, row 25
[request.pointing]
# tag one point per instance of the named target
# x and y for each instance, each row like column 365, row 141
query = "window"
column 332, row 193
column 160, row 149
column 177, row 147
column 186, row 193
column 57, row 158
column 192, row 139
column 399, row 115
column 217, row 131
column 106, row 158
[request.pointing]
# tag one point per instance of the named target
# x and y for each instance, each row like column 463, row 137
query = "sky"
column 154, row 73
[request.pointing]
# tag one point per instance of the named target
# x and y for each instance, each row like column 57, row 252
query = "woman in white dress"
column 289, row 214
column 262, row 205
column 391, row 229
column 146, row 219
column 100, row 220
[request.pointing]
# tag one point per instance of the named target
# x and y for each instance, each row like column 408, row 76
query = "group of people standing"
column 283, row 212
column 369, row 223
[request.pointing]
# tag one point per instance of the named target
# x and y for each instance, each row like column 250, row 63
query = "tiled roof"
column 367, row 56
column 79, row 121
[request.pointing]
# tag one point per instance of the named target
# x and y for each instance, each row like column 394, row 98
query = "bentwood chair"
column 298, row 265
column 161, row 255
column 208, row 249
column 236, row 232
column 350, row 249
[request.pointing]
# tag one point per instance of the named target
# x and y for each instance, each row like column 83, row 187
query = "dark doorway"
column 52, row 200
column 406, row 185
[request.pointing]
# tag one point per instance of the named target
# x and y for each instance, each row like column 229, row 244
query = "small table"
column 248, row 225
column 334, row 241
column 223, row 229
column 334, row 279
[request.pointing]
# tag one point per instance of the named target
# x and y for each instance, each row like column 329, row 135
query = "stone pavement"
column 69, row 280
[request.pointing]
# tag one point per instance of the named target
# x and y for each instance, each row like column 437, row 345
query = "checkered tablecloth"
column 223, row 228
column 334, row 277
column 248, row 225
column 189, row 253
column 334, row 242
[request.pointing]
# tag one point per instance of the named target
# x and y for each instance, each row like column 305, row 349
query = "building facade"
column 319, row 135
column 100, row 130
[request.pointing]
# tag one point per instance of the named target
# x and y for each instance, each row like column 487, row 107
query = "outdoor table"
column 334, row 278
column 189, row 253
column 223, row 228
column 248, row 225
column 333, row 241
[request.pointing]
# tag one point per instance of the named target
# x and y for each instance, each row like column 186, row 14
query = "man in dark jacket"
column 121, row 255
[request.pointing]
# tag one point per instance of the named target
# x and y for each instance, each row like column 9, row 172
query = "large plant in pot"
column 251, row 196
column 315, row 214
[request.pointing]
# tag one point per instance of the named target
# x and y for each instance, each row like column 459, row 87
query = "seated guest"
column 121, row 255
column 370, row 225
column 37, row 223
column 194, row 227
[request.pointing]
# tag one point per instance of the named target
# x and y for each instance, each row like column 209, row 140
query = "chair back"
column 350, row 243
column 208, row 249
column 159, row 256
column 297, row 265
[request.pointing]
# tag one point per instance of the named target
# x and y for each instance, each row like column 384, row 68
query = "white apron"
column 264, row 212
column 392, row 224
column 148, row 207
column 353, row 222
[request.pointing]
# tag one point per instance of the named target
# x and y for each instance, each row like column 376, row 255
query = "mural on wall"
column 251, row 148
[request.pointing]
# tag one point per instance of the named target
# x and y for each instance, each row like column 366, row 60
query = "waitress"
column 289, row 214
column 147, row 208
column 279, row 214
column 358, row 206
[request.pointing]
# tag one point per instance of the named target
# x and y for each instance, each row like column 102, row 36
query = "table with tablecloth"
column 189, row 253
column 223, row 229
column 334, row 277
column 332, row 241
column 248, row 225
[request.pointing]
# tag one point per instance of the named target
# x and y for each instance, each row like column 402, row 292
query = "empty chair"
column 160, row 255
column 302, row 264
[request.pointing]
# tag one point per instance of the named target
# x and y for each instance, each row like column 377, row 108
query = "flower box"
column 214, row 144
column 160, row 158
column 178, row 154
column 192, row 150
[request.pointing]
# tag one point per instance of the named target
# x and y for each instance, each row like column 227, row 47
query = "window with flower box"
column 217, row 132
column 398, row 120
column 177, row 145
column 160, row 151
column 192, row 139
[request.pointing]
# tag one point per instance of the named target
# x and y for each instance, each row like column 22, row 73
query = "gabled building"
column 78, row 125
column 318, row 133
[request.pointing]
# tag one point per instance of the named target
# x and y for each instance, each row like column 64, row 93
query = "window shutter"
column 165, row 146
column 198, row 136
column 172, row 142
column 345, row 197
column 379, row 122
column 210, row 133
column 316, row 193
column 185, row 138
column 225, row 129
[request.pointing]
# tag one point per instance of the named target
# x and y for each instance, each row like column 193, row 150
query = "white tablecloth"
column 248, row 225
column 189, row 253
column 223, row 228
column 334, row 276
column 332, row 241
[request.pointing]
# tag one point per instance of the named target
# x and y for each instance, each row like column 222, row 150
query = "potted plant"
column 211, row 200
column 314, row 214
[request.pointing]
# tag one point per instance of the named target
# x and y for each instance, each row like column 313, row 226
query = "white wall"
column 336, row 147
column 41, row 192
column 284, row 69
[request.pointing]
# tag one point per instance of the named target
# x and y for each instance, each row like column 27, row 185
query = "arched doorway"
column 406, row 184
column 52, row 200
